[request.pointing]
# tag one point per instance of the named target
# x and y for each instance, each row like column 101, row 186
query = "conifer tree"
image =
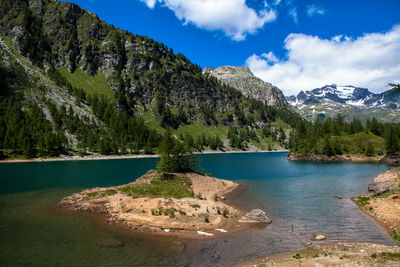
column 392, row 141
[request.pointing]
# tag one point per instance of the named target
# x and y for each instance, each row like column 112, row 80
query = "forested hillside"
column 70, row 83
column 338, row 137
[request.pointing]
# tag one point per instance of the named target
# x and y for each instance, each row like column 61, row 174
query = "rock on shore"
column 391, row 158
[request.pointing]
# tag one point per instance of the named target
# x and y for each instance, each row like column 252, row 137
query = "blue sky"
column 296, row 45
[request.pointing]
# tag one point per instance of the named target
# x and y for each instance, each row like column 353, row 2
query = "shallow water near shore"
column 34, row 232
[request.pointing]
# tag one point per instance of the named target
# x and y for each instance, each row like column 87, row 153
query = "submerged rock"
column 381, row 187
column 111, row 243
column 255, row 216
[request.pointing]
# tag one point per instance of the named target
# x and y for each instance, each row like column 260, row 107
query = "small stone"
column 319, row 237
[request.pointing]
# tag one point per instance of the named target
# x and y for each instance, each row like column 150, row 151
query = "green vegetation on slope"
column 336, row 137
column 91, row 85
column 153, row 89
column 175, row 186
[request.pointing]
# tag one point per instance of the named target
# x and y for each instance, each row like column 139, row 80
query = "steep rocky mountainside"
column 350, row 101
column 244, row 80
column 91, row 87
column 54, row 34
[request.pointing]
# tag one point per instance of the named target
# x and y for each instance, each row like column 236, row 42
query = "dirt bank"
column 389, row 159
column 336, row 254
column 384, row 206
column 337, row 158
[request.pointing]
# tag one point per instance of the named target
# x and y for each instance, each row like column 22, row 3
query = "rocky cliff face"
column 244, row 80
column 55, row 34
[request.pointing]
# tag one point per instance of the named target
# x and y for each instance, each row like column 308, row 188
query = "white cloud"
column 313, row 10
column 149, row 3
column 370, row 61
column 233, row 17
column 293, row 14
column 270, row 57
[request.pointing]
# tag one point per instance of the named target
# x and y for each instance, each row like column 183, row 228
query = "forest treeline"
column 45, row 129
column 336, row 137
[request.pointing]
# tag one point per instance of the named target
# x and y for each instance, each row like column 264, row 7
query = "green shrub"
column 396, row 235
column 108, row 192
column 92, row 194
column 297, row 256
column 225, row 213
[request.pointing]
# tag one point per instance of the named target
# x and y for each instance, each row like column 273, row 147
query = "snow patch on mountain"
column 348, row 95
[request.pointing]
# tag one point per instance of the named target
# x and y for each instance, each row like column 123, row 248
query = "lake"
column 297, row 196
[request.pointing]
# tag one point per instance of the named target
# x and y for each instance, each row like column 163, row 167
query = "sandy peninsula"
column 187, row 204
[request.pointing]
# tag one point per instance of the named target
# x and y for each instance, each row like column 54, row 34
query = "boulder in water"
column 319, row 237
column 255, row 216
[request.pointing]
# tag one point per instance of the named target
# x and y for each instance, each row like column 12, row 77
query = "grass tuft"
column 175, row 187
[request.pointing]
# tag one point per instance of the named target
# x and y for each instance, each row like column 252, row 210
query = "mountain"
column 244, row 80
column 350, row 101
column 70, row 83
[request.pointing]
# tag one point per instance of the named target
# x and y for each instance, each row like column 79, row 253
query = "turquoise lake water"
column 33, row 232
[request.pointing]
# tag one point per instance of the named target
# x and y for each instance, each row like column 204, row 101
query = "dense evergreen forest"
column 71, row 84
column 336, row 137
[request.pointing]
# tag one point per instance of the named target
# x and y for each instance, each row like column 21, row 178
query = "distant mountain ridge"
column 348, row 100
column 350, row 95
column 246, row 82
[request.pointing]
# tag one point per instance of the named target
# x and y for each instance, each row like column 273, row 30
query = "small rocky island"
column 182, row 203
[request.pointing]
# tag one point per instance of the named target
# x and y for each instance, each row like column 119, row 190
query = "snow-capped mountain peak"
column 350, row 95
column 349, row 100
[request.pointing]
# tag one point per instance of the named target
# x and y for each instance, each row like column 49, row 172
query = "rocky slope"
column 99, row 85
column 55, row 34
column 244, row 80
column 350, row 101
